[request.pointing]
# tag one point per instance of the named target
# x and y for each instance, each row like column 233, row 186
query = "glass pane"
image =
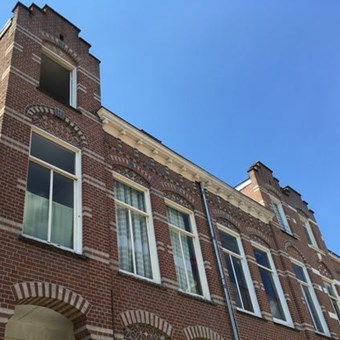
column 179, row 219
column 312, row 309
column 229, row 242
column 124, row 239
column 37, row 202
column 141, row 243
column 129, row 195
column 299, row 273
column 179, row 261
column 54, row 80
column 273, row 297
column 191, row 265
column 234, row 286
column 62, row 211
column 309, row 240
column 242, row 284
column 52, row 153
column 262, row 258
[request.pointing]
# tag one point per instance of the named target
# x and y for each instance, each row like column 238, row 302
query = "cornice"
column 127, row 133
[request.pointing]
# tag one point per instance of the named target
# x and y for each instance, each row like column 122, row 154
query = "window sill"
column 284, row 324
column 140, row 279
column 57, row 100
column 317, row 249
column 196, row 297
column 289, row 233
column 243, row 311
column 50, row 246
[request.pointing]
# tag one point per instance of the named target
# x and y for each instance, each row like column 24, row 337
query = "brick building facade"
column 107, row 233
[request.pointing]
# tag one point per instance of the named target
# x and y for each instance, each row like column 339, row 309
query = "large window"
column 58, row 78
column 272, row 286
column 312, row 303
column 187, row 255
column 281, row 217
column 136, row 242
column 241, row 285
column 53, row 192
column 329, row 288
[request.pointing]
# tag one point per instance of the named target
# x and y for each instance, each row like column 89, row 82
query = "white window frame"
column 77, row 189
column 196, row 243
column 335, row 298
column 281, row 216
column 150, row 226
column 69, row 67
column 315, row 300
column 245, row 268
column 310, row 232
column 277, row 283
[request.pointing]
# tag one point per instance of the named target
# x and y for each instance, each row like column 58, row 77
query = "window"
column 333, row 297
column 58, row 78
column 136, row 241
column 187, row 254
column 310, row 235
column 241, row 286
column 52, row 211
column 272, row 286
column 281, row 217
column 312, row 303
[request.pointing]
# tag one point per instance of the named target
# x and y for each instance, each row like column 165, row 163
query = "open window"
column 58, row 78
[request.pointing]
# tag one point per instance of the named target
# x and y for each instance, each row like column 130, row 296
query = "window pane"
column 141, row 245
column 179, row 219
column 124, row 239
column 229, row 242
column 238, row 283
column 191, row 265
column 37, row 202
column 262, row 258
column 312, row 309
column 129, row 195
column 62, row 211
column 299, row 273
column 54, row 80
column 309, row 240
column 52, row 153
column 273, row 297
column 179, row 261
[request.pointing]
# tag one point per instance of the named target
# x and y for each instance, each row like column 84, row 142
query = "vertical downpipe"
column 230, row 310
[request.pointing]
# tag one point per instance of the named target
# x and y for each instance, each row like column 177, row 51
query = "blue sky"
column 226, row 83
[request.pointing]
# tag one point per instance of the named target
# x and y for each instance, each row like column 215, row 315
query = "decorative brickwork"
column 201, row 333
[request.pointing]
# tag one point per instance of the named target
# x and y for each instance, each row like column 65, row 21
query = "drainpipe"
column 230, row 310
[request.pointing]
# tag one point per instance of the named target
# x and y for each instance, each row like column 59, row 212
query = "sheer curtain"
column 134, row 250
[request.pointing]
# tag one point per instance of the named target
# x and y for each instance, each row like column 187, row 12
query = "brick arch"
column 260, row 240
column 200, row 332
column 294, row 251
column 141, row 317
column 226, row 223
column 41, row 114
column 61, row 45
column 178, row 194
column 53, row 296
column 131, row 174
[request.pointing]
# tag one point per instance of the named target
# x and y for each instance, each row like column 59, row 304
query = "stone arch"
column 144, row 322
column 42, row 116
column 294, row 251
column 200, row 332
column 53, row 296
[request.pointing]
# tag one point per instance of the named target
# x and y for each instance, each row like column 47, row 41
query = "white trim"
column 282, row 215
column 245, row 267
column 243, row 184
column 278, row 286
column 315, row 300
column 77, row 204
column 197, row 246
column 156, row 277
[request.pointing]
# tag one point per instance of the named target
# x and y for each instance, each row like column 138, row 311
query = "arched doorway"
column 31, row 322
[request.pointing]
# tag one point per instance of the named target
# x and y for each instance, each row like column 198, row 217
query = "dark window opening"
column 55, row 80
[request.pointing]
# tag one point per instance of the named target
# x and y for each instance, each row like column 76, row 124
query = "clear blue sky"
column 226, row 83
